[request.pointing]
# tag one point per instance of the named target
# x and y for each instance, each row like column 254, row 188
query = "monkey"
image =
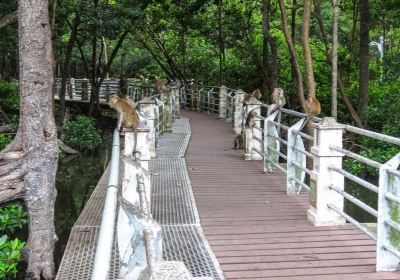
column 278, row 99
column 238, row 142
column 161, row 85
column 256, row 94
column 250, row 118
column 313, row 109
column 128, row 99
column 126, row 115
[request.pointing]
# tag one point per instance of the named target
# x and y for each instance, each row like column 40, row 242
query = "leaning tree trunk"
column 38, row 135
column 305, row 38
column 364, row 56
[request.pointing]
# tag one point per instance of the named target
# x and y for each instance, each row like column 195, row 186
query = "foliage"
column 81, row 134
column 10, row 255
column 12, row 217
column 4, row 141
column 9, row 95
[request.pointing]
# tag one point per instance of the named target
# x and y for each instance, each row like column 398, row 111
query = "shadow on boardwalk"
column 254, row 228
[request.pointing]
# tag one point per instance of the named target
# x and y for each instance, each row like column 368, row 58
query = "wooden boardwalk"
column 254, row 228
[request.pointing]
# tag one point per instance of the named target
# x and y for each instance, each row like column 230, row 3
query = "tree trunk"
column 335, row 4
column 305, row 38
column 342, row 90
column 66, row 73
column 269, row 42
column 364, row 56
column 293, row 54
column 221, row 42
column 38, row 134
column 293, row 102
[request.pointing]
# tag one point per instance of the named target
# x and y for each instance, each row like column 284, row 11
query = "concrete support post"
column 149, row 109
column 253, row 135
column 238, row 112
column 223, row 91
column 195, row 99
column 73, row 87
column 175, row 92
column 327, row 133
column 388, row 216
column 168, row 111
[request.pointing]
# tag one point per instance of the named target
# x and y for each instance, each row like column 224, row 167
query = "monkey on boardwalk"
column 313, row 109
column 238, row 142
column 126, row 115
column 278, row 99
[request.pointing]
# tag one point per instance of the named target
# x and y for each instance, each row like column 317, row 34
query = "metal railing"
column 277, row 141
column 102, row 259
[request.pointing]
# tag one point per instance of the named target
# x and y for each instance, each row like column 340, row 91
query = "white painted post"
column 223, row 91
column 252, row 132
column 293, row 156
column 166, row 98
column 176, row 93
column 328, row 132
column 73, row 88
column 238, row 111
column 271, row 144
column 388, row 213
column 149, row 109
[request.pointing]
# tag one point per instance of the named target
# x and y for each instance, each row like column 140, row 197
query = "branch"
column 8, row 19
column 66, row 148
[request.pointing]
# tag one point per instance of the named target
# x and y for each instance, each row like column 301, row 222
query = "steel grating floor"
column 173, row 206
column 187, row 243
column 171, row 199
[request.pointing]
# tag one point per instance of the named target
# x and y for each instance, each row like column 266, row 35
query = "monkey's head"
column 257, row 94
column 278, row 92
column 113, row 100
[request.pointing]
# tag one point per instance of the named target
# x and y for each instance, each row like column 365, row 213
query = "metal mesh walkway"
column 173, row 206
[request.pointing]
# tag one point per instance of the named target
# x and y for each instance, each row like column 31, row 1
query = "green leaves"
column 12, row 217
column 10, row 255
column 81, row 134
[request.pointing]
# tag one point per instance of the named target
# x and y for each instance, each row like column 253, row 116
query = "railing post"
column 295, row 143
column 238, row 112
column 168, row 110
column 223, row 91
column 271, row 144
column 388, row 213
column 252, row 132
column 177, row 103
column 73, row 88
column 149, row 110
column 326, row 133
column 195, row 98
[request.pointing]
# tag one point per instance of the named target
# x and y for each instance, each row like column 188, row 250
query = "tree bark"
column 335, row 4
column 269, row 43
column 305, row 40
column 293, row 54
column 38, row 134
column 364, row 56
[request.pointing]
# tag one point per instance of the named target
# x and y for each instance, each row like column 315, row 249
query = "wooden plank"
column 254, row 240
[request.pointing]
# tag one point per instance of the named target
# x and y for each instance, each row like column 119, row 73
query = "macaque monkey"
column 256, row 94
column 126, row 115
column 250, row 118
column 238, row 142
column 161, row 85
column 313, row 109
column 130, row 101
column 278, row 99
